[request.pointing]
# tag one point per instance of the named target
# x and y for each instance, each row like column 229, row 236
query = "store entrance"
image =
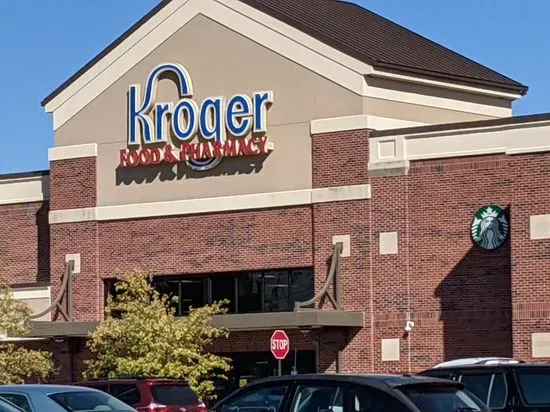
column 249, row 366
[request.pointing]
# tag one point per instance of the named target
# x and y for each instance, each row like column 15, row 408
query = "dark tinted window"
column 223, row 287
column 366, row 399
column 534, row 385
column 478, row 384
column 265, row 399
column 20, row 401
column 318, row 398
column 171, row 289
column 276, row 292
column 429, row 398
column 250, row 293
column 497, row 397
column 174, row 395
column 6, row 406
column 87, row 401
column 301, row 286
column 127, row 393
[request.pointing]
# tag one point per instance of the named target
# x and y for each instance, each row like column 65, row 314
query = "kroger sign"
column 203, row 135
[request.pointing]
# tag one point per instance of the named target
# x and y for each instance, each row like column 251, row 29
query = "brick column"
column 73, row 186
column 341, row 159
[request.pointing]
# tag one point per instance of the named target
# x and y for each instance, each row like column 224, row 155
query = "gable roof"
column 361, row 34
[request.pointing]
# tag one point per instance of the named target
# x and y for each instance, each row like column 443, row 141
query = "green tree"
column 142, row 337
column 18, row 364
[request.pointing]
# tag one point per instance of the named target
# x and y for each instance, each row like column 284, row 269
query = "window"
column 301, row 286
column 171, row 289
column 367, row 399
column 127, row 393
column 174, row 395
column 498, row 392
column 319, row 398
column 250, row 293
column 86, row 401
column 20, row 401
column 534, row 384
column 247, row 292
column 6, row 406
column 478, row 384
column 224, row 287
column 430, row 398
column 276, row 292
column 264, row 399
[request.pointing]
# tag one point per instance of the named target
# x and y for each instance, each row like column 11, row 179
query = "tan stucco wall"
column 220, row 62
column 459, row 111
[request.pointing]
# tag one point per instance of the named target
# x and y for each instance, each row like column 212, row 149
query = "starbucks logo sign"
column 490, row 227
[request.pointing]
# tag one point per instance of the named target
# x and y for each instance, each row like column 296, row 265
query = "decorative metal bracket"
column 66, row 290
column 332, row 278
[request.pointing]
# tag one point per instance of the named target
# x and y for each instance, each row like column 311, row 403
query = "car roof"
column 370, row 379
column 491, row 366
column 45, row 388
column 107, row 380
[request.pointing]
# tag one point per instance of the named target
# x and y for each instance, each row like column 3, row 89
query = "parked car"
column 58, row 398
column 504, row 384
column 151, row 395
column 351, row 393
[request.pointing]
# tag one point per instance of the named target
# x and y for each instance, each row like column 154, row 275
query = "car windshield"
column 84, row 401
column 174, row 395
column 441, row 398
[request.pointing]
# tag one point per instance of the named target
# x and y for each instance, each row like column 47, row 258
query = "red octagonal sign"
column 280, row 344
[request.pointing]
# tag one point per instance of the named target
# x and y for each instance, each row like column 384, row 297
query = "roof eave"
column 516, row 88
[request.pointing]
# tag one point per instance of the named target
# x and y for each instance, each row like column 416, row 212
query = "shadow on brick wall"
column 43, row 248
column 476, row 303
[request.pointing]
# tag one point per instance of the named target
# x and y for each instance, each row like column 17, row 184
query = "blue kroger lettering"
column 214, row 120
column 239, row 115
column 137, row 115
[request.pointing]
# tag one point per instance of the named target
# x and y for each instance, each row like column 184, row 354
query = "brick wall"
column 73, row 183
column 24, row 242
column 460, row 296
column 247, row 240
column 531, row 280
column 78, row 238
column 340, row 158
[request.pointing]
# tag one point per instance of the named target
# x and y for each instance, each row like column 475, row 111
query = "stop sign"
column 280, row 344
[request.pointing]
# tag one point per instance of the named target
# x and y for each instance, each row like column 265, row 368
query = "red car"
column 151, row 395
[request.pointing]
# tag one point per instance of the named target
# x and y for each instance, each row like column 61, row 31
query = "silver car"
column 59, row 398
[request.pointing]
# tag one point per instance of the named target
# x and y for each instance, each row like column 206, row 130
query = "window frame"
column 488, row 373
column 346, row 396
column 398, row 397
column 24, row 395
column 492, row 373
column 519, row 386
column 110, row 392
column 206, row 280
column 255, row 388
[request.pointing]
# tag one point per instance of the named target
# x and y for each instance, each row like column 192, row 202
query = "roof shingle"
column 360, row 34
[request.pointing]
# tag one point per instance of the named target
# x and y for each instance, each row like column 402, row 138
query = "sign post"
column 280, row 346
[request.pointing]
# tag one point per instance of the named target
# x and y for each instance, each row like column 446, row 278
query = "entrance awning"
column 308, row 319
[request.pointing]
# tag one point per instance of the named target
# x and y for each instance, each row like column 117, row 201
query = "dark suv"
column 504, row 384
column 150, row 395
column 351, row 393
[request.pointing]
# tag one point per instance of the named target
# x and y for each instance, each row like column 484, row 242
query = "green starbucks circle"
column 489, row 227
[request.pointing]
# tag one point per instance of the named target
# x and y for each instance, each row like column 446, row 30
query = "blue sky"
column 42, row 44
